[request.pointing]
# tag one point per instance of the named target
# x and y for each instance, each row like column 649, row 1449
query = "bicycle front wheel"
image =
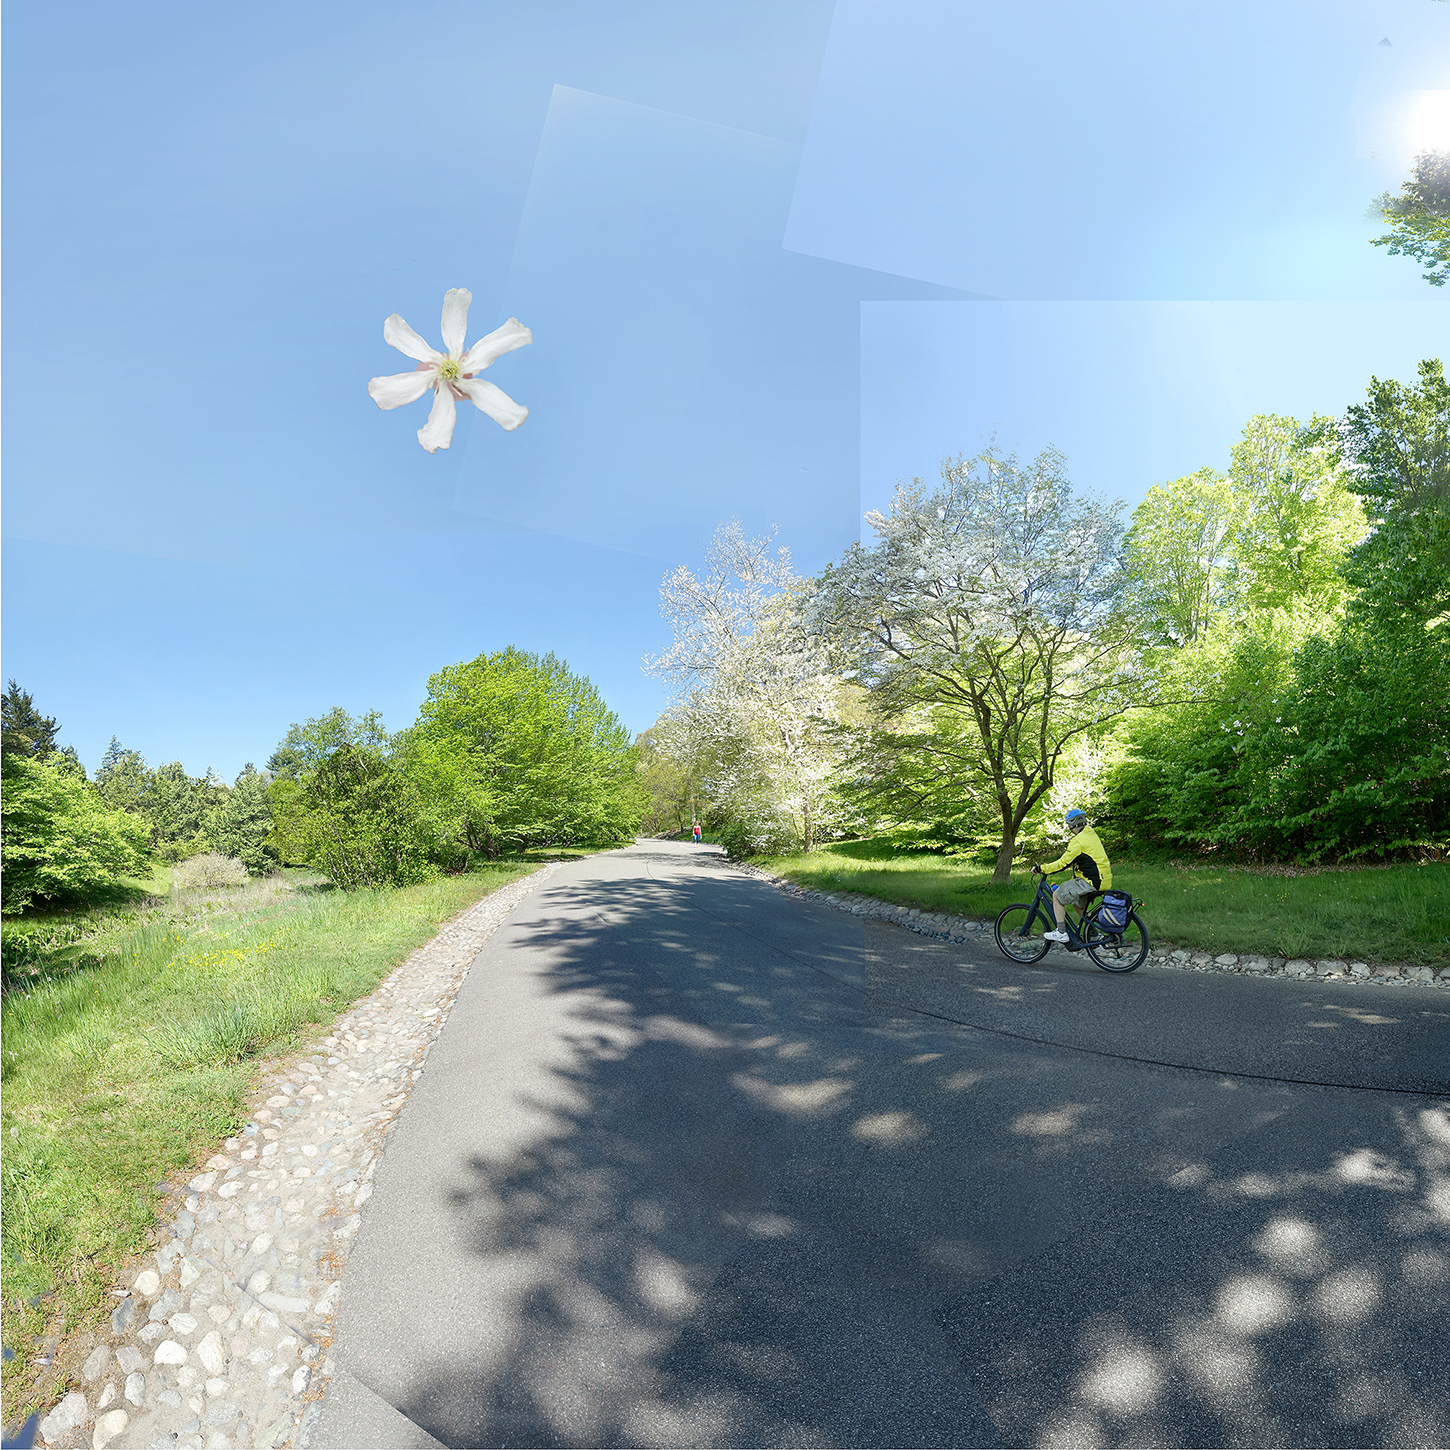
column 1118, row 952
column 1019, row 934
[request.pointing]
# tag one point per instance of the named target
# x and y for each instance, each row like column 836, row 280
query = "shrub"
column 210, row 870
column 59, row 837
column 358, row 818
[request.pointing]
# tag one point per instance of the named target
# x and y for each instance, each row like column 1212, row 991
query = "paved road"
column 696, row 1164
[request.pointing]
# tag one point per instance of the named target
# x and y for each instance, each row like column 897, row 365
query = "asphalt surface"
column 693, row 1163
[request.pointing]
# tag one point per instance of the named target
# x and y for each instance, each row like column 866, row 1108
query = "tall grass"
column 1373, row 914
column 130, row 1045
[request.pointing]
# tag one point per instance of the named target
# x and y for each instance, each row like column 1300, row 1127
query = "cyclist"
column 1090, row 871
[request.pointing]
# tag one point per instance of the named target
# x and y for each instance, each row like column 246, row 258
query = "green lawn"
column 1373, row 914
column 131, row 1034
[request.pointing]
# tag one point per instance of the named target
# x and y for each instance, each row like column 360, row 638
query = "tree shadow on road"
column 729, row 1201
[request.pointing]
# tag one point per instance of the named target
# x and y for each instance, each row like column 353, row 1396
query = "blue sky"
column 748, row 238
column 1133, row 393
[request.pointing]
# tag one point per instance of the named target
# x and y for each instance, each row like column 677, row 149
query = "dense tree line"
column 65, row 836
column 1259, row 662
column 510, row 750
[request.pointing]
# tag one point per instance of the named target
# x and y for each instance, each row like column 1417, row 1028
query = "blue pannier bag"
column 1113, row 912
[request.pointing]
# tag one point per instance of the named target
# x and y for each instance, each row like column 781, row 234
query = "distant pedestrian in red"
column 697, row 833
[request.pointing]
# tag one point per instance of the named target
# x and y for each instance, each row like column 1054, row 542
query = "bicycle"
column 1019, row 936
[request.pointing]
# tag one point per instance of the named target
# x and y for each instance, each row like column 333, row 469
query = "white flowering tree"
column 755, row 699
column 987, row 604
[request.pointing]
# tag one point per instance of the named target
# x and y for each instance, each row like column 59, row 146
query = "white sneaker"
column 1054, row 936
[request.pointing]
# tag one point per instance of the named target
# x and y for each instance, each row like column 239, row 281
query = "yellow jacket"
column 1087, row 858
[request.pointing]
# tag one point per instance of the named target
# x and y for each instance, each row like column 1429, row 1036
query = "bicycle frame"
column 1043, row 903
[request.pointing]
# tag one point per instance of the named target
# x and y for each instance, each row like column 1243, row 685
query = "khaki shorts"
column 1071, row 892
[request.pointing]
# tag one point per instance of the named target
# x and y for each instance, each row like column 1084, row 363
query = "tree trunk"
column 1005, row 852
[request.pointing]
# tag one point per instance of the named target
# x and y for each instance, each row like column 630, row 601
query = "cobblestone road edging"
column 224, row 1342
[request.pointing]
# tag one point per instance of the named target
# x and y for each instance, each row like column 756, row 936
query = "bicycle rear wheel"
column 1123, row 951
column 1014, row 937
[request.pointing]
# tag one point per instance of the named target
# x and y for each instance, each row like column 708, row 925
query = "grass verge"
column 130, row 1039
column 1372, row 914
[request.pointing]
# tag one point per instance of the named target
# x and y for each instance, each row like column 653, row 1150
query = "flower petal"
column 397, row 333
column 437, row 432
column 493, row 401
column 455, row 318
column 400, row 388
column 501, row 340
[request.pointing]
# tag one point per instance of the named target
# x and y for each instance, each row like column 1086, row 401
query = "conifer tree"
column 25, row 730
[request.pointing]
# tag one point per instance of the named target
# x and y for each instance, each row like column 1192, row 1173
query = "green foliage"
column 1176, row 556
column 241, row 826
column 1335, row 747
column 305, row 747
column 59, row 837
column 175, row 806
column 1361, row 765
column 122, row 778
column 1178, row 776
column 1398, row 445
column 1295, row 519
column 178, row 807
column 1419, row 217
column 356, row 816
column 286, row 762
column 67, row 760
column 23, row 729
column 671, row 787
column 918, row 778
column 518, row 751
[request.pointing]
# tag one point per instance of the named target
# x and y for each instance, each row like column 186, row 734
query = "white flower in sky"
column 451, row 375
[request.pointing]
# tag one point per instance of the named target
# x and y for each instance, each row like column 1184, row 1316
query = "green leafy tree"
column 533, row 753
column 58, row 838
column 674, row 795
column 1181, row 773
column 306, row 746
column 23, row 729
column 301, row 809
column 1339, row 748
column 1332, row 740
column 1361, row 762
column 915, row 775
column 1178, row 556
column 1419, row 217
column 1296, row 519
column 1397, row 444
column 123, row 778
column 241, row 826
column 357, row 817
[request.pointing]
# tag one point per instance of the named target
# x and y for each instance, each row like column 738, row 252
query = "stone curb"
column 960, row 930
column 224, row 1342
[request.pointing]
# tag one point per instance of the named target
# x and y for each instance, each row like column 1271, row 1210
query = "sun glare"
column 1430, row 121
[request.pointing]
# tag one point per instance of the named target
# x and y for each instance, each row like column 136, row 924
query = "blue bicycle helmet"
column 1075, row 816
